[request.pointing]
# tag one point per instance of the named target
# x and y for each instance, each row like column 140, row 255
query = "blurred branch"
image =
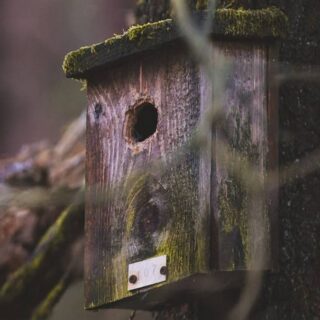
column 41, row 224
column 45, row 308
column 48, row 261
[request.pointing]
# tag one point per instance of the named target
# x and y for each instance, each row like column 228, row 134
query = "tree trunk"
column 292, row 292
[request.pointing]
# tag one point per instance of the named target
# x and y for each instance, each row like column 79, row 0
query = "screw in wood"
column 133, row 279
column 163, row 270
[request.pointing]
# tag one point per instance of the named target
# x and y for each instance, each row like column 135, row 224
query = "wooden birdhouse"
column 163, row 216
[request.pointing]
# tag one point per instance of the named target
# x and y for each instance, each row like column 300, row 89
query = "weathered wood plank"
column 273, row 153
column 155, row 208
column 242, row 226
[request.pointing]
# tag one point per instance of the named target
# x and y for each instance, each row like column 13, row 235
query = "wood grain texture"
column 150, row 197
column 242, row 224
column 273, row 153
column 162, row 196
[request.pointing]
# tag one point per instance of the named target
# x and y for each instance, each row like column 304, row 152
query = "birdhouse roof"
column 232, row 23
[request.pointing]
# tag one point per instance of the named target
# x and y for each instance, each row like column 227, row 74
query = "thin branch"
column 47, row 305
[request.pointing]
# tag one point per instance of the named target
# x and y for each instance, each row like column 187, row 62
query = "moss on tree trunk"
column 154, row 10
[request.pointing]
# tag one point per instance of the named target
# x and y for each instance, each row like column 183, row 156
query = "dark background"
column 37, row 101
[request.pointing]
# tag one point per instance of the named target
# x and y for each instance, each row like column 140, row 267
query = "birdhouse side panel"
column 242, row 221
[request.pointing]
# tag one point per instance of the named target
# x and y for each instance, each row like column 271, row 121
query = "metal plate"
column 147, row 272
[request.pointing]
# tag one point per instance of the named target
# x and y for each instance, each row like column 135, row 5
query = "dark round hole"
column 163, row 270
column 133, row 279
column 146, row 120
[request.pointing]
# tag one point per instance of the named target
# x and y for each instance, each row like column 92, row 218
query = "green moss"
column 134, row 191
column 22, row 278
column 201, row 4
column 184, row 215
column 239, row 23
column 234, row 198
column 55, row 232
column 268, row 22
column 142, row 32
column 88, row 57
column 233, row 207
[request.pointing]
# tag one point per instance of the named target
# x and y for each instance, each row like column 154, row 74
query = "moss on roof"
column 236, row 23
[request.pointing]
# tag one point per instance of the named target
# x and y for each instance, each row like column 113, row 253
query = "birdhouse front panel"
column 169, row 214
column 145, row 185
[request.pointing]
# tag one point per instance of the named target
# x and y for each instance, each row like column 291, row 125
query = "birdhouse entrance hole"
column 141, row 122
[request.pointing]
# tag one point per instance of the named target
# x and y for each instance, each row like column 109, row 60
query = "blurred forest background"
column 37, row 101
